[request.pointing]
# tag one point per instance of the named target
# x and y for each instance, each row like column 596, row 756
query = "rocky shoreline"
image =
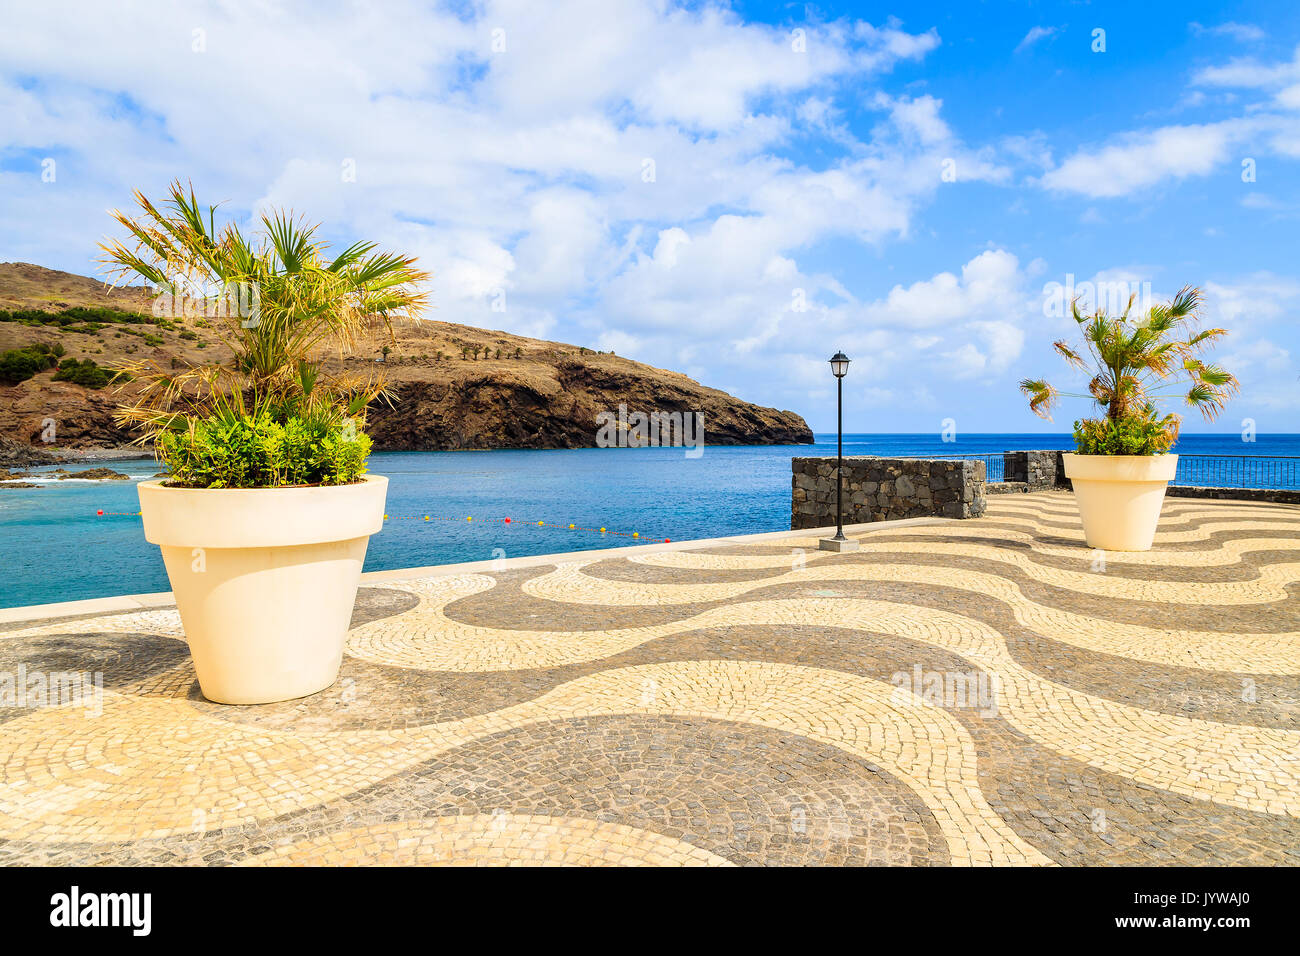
column 17, row 454
column 13, row 479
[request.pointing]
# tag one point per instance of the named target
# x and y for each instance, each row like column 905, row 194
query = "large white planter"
column 1119, row 497
column 265, row 580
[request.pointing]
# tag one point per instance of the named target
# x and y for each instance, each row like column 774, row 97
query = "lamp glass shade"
column 840, row 364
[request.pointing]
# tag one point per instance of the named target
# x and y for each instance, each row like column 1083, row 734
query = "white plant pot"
column 265, row 580
column 1119, row 497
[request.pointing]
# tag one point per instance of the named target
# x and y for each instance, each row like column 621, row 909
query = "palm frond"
column 1136, row 359
column 306, row 302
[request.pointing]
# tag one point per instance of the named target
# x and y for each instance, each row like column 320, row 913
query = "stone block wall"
column 1035, row 470
column 884, row 489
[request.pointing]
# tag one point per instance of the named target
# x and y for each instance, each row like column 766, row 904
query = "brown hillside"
column 546, row 397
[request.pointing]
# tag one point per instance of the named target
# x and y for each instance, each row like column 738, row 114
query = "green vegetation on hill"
column 90, row 319
column 18, row 365
column 79, row 314
column 86, row 373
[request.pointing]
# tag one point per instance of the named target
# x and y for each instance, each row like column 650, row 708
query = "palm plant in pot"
column 265, row 517
column 1138, row 360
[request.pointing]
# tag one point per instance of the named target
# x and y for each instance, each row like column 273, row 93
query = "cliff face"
column 458, row 386
column 559, row 410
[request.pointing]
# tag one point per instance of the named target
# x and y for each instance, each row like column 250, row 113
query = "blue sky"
column 734, row 191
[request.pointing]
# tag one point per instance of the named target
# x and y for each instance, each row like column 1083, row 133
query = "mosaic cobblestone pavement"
column 956, row 692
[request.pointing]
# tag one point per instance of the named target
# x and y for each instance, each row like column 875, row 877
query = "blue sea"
column 56, row 548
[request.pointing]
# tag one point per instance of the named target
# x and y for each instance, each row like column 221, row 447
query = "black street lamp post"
column 840, row 366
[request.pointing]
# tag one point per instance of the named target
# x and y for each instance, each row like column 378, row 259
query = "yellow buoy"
column 468, row 518
column 426, row 517
column 635, row 535
column 602, row 530
column 570, row 526
column 541, row 522
column 385, row 517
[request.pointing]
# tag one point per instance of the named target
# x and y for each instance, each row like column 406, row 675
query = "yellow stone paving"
column 499, row 839
column 435, row 641
column 569, row 583
column 153, row 766
column 1228, row 553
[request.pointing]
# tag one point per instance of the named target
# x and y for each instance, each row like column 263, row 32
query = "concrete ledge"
column 87, row 607
column 94, row 607
column 1281, row 496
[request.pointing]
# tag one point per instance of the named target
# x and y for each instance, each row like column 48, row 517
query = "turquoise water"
column 57, row 549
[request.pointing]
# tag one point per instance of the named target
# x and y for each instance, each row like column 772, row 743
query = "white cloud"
column 1034, row 35
column 1241, row 32
column 1255, row 309
column 965, row 362
column 917, row 117
column 1251, row 73
column 985, row 285
column 1141, row 160
column 1257, row 298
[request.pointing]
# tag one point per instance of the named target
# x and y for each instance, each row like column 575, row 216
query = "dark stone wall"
column 1036, row 470
column 885, row 489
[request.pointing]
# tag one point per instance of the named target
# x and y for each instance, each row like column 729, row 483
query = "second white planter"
column 265, row 580
column 1119, row 497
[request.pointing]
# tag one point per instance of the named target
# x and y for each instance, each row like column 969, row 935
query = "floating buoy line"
column 572, row 526
column 540, row 524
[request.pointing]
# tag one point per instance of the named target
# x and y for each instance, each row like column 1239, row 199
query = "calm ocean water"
column 55, row 548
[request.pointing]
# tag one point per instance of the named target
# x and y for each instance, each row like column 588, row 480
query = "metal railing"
column 1238, row 471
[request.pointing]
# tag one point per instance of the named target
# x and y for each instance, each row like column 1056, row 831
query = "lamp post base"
column 837, row 544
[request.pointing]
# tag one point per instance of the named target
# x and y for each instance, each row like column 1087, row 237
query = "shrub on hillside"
column 18, row 365
column 78, row 314
column 86, row 373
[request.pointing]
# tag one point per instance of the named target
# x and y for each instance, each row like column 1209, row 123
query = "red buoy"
column 667, row 540
column 100, row 511
column 507, row 521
